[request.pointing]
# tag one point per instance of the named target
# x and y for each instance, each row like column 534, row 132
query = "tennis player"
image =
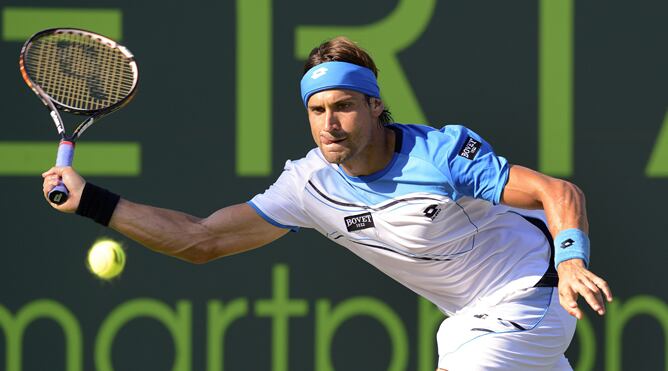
column 497, row 247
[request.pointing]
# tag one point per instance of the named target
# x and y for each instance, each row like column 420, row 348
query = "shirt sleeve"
column 281, row 203
column 471, row 165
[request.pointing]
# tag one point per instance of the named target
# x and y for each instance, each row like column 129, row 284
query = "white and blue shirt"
column 430, row 219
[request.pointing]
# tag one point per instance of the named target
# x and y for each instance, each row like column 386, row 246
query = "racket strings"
column 80, row 72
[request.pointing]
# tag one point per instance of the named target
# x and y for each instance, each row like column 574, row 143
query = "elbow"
column 572, row 192
column 200, row 253
column 193, row 257
column 566, row 196
column 579, row 191
column 198, row 259
column 204, row 246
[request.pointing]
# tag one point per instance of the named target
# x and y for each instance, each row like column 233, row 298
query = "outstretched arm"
column 230, row 230
column 564, row 206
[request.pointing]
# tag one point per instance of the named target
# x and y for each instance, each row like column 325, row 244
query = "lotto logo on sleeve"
column 470, row 148
column 358, row 222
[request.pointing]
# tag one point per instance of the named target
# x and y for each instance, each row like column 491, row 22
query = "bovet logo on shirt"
column 358, row 222
column 470, row 148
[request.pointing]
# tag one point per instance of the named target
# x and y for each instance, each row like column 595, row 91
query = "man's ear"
column 377, row 106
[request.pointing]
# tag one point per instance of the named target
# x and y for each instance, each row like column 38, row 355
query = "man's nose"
column 331, row 121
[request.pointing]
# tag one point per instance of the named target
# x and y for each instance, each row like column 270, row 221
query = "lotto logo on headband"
column 319, row 72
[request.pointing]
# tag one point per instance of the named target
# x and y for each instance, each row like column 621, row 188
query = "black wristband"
column 97, row 203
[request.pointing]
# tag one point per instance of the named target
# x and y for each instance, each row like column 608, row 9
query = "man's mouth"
column 326, row 141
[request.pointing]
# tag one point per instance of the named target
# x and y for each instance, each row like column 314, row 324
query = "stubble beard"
column 335, row 157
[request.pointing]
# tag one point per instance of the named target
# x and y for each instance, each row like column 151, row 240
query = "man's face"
column 343, row 123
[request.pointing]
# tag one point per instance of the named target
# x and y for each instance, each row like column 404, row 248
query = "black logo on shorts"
column 358, row 222
column 568, row 243
column 431, row 211
column 470, row 148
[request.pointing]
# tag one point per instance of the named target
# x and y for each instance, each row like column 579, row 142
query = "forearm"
column 564, row 206
column 228, row 231
column 565, row 210
column 166, row 231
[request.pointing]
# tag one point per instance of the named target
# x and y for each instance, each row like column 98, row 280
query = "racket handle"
column 59, row 194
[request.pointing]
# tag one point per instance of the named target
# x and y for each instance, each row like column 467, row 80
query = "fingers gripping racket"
column 78, row 72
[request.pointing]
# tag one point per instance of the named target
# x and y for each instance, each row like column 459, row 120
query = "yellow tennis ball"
column 106, row 259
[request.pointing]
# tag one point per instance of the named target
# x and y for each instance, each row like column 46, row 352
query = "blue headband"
column 339, row 75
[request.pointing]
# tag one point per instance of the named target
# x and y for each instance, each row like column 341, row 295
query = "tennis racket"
column 78, row 72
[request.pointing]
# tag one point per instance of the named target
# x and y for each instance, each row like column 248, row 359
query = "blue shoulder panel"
column 453, row 161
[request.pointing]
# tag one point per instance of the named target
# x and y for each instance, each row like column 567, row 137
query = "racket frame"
column 65, row 154
column 55, row 106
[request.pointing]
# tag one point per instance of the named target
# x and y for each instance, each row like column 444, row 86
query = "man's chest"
column 416, row 221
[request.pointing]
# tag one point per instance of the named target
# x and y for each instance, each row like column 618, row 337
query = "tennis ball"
column 106, row 259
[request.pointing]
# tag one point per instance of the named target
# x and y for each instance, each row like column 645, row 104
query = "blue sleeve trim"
column 270, row 220
column 503, row 180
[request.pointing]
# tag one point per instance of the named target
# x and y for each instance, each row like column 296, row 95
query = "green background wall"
column 573, row 88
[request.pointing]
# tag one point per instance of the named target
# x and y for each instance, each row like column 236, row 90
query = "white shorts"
column 527, row 330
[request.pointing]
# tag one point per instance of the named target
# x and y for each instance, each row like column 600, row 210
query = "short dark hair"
column 342, row 49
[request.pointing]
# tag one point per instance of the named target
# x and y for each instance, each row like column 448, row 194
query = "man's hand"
column 73, row 181
column 575, row 280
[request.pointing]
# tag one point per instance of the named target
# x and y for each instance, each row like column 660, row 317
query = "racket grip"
column 59, row 194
